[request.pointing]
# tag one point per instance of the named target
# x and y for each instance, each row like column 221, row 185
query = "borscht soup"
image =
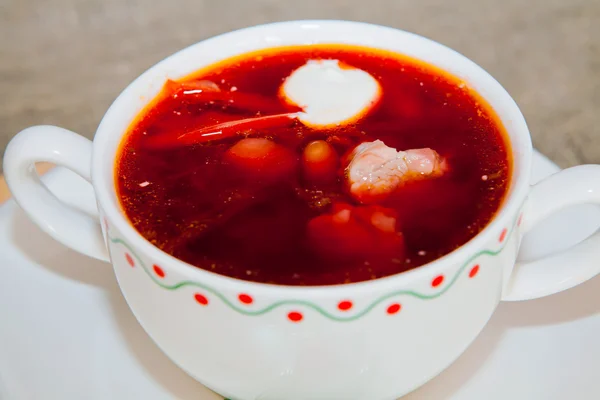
column 313, row 165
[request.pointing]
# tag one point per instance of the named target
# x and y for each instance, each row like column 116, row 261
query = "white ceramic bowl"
column 255, row 341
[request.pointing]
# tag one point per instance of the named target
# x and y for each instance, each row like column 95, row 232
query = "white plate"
column 66, row 332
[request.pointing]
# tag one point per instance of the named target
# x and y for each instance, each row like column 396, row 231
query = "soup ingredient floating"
column 376, row 170
column 330, row 93
column 217, row 121
column 319, row 162
column 350, row 232
column 223, row 170
column 261, row 159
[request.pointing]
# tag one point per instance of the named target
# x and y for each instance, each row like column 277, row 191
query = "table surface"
column 42, row 168
column 4, row 193
column 64, row 62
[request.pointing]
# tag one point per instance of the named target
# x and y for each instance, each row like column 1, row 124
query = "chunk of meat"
column 376, row 170
column 361, row 232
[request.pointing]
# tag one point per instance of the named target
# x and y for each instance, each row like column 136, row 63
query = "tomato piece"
column 339, row 240
column 356, row 232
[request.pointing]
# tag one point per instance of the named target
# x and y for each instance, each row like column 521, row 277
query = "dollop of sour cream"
column 330, row 93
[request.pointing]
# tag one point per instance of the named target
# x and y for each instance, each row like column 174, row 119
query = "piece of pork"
column 376, row 170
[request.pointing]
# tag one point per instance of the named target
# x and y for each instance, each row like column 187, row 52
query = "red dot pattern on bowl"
column 201, row 299
column 245, row 298
column 295, row 316
column 437, row 281
column 158, row 271
column 474, row 271
column 394, row 308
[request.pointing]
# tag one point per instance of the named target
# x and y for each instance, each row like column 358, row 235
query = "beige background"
column 64, row 61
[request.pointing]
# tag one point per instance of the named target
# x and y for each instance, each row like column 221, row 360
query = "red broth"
column 186, row 194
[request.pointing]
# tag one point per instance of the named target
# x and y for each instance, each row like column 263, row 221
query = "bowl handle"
column 564, row 270
column 44, row 143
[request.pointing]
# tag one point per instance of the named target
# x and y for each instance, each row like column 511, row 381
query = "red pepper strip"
column 219, row 131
